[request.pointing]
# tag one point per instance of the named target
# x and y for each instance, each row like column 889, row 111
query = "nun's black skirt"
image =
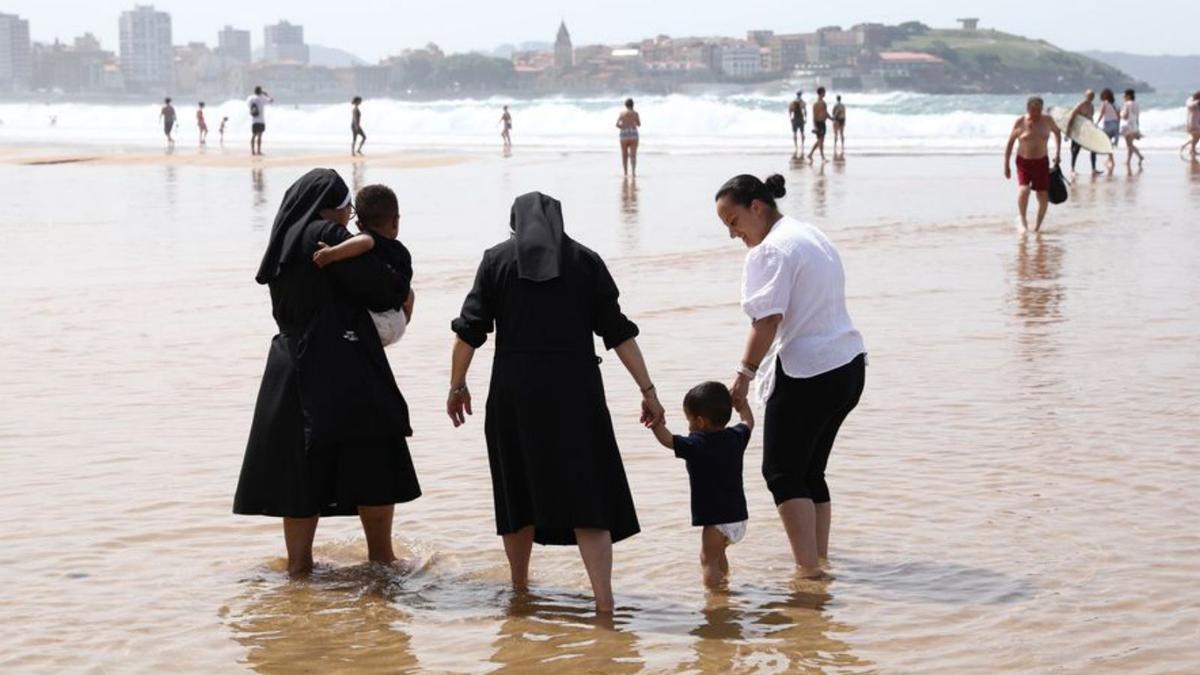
column 554, row 458
column 282, row 477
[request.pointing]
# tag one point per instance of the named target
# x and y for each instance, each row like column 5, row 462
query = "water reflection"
column 630, row 231
column 1038, row 269
column 172, row 182
column 820, row 194
column 259, row 185
column 340, row 620
column 357, row 173
column 540, row 633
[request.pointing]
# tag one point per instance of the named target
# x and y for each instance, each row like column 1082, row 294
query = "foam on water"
column 677, row 123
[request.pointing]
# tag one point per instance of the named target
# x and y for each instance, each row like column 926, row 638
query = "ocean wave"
column 881, row 121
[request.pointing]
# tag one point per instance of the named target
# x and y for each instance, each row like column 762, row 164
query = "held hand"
column 323, row 255
column 458, row 406
column 653, row 413
column 739, row 391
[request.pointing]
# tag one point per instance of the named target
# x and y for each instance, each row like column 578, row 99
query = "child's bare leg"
column 713, row 563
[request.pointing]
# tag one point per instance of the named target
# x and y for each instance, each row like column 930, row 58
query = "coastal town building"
column 147, row 54
column 234, row 44
column 564, row 54
column 81, row 67
column 284, row 43
column 16, row 65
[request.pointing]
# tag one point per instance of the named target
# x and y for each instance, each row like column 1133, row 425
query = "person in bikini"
column 506, row 128
column 356, row 127
column 202, row 124
column 839, row 127
column 1031, row 134
column 628, row 122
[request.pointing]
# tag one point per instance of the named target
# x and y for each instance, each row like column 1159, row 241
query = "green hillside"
column 996, row 62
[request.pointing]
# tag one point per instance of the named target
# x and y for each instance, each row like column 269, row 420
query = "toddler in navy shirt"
column 714, row 465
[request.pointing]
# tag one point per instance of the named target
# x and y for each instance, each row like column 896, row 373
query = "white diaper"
column 734, row 532
column 390, row 324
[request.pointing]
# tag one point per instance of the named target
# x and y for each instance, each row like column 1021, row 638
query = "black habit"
column 553, row 455
column 330, row 425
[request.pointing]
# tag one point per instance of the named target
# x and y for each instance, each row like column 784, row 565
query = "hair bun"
column 775, row 187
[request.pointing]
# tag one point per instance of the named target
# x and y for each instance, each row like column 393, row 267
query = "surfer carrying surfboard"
column 1031, row 135
column 1087, row 110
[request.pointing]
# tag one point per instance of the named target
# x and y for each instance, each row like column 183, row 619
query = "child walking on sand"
column 714, row 465
column 379, row 221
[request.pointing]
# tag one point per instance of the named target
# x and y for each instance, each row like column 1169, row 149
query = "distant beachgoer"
column 54, row 119
column 839, row 126
column 1109, row 119
column 258, row 119
column 1087, row 110
column 221, row 130
column 797, row 112
column 1193, row 124
column 506, row 127
column 557, row 475
column 379, row 224
column 166, row 116
column 1031, row 133
column 356, row 126
column 202, row 124
column 1131, row 128
column 628, row 122
column 812, row 357
column 714, row 454
column 820, row 113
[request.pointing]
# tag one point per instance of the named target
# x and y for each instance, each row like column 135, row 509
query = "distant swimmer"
column 1031, row 133
column 258, row 119
column 1109, row 119
column 202, row 124
column 839, row 127
column 1193, row 124
column 54, row 119
column 221, row 130
column 506, row 127
column 797, row 111
column 820, row 113
column 628, row 122
column 356, row 127
column 166, row 116
column 1087, row 110
column 1131, row 128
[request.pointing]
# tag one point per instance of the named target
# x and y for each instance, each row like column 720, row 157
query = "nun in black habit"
column 330, row 425
column 557, row 476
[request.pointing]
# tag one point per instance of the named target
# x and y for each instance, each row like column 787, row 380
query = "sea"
column 894, row 122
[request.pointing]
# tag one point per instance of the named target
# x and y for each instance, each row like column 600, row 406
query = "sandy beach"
column 1015, row 491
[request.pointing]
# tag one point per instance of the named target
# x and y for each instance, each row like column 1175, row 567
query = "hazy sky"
column 375, row 28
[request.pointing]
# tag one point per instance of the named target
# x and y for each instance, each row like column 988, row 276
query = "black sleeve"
column 364, row 278
column 743, row 434
column 477, row 318
column 684, row 446
column 608, row 322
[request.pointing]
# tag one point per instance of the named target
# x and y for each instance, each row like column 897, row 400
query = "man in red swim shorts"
column 1031, row 134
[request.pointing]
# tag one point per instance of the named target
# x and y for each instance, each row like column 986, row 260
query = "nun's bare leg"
column 595, row 547
column 377, row 526
column 518, row 546
column 298, row 536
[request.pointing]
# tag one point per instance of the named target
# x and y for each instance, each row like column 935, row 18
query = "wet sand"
column 1015, row 492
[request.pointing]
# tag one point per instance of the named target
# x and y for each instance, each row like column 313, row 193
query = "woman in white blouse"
column 1130, row 127
column 812, row 359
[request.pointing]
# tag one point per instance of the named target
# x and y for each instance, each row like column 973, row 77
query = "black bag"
column 1058, row 186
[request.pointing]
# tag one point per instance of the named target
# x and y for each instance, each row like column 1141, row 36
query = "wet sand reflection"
column 542, row 634
column 342, row 619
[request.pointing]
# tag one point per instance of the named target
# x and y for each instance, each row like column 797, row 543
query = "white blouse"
column 797, row 272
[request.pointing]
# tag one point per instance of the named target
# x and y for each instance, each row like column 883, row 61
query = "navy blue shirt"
column 714, row 466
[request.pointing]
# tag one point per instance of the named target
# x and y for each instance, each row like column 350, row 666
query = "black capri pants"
column 802, row 420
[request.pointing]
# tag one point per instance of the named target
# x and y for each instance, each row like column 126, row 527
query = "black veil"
column 316, row 190
column 536, row 220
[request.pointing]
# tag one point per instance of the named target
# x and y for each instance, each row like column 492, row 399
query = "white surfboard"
column 1083, row 131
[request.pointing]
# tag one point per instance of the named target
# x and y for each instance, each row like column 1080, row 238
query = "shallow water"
column 1015, row 492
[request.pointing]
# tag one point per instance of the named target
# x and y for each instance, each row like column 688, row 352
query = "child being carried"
column 714, row 465
column 379, row 221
